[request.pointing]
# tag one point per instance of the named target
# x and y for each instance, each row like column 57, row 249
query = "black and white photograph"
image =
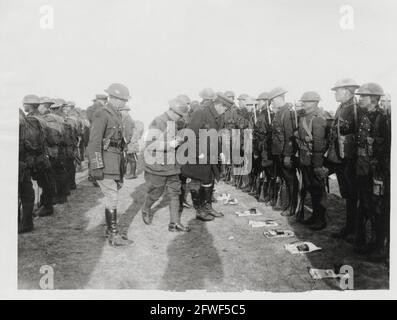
column 197, row 149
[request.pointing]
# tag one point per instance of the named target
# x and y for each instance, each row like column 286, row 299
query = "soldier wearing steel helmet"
column 72, row 119
column 105, row 152
column 283, row 151
column 311, row 147
column 207, row 96
column 342, row 152
column 43, row 173
column 244, row 120
column 373, row 172
column 31, row 154
column 262, row 146
column 204, row 171
column 162, row 172
column 58, row 149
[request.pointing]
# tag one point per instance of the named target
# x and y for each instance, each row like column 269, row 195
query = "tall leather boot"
column 321, row 222
column 26, row 223
column 198, row 206
column 108, row 219
column 115, row 239
column 207, row 192
column 260, row 195
column 348, row 229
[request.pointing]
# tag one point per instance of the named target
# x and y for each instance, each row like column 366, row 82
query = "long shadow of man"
column 192, row 259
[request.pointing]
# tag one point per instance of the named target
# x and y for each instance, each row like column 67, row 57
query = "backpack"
column 33, row 135
column 69, row 132
column 54, row 130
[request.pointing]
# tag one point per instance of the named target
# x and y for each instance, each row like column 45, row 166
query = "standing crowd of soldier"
column 295, row 150
column 52, row 138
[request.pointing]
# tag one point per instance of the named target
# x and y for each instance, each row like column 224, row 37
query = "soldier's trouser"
column 61, row 182
column 316, row 188
column 46, row 181
column 347, row 180
column 110, row 189
column 383, row 225
column 71, row 172
column 156, row 185
column 26, row 196
column 366, row 208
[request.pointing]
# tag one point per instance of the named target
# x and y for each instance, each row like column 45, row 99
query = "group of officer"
column 294, row 150
column 52, row 138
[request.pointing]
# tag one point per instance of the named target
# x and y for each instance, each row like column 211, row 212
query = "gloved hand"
column 97, row 174
column 321, row 173
column 287, row 162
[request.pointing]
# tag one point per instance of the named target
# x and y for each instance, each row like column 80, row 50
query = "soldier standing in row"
column 342, row 153
column 162, row 171
column 262, row 145
column 72, row 119
column 58, row 158
column 205, row 170
column 248, row 114
column 31, row 141
column 283, row 152
column 105, row 152
column 312, row 145
column 372, row 170
column 238, row 145
column 42, row 171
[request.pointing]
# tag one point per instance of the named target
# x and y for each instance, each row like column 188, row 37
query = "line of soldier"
column 53, row 135
column 296, row 148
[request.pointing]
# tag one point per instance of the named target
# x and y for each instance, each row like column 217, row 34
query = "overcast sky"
column 163, row 48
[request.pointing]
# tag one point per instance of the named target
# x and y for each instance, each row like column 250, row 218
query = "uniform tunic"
column 205, row 118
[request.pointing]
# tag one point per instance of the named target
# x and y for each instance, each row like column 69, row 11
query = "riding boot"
column 115, row 239
column 207, row 192
column 26, row 224
column 198, row 206
column 321, row 222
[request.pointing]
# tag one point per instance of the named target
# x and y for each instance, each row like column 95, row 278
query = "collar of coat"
column 113, row 110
